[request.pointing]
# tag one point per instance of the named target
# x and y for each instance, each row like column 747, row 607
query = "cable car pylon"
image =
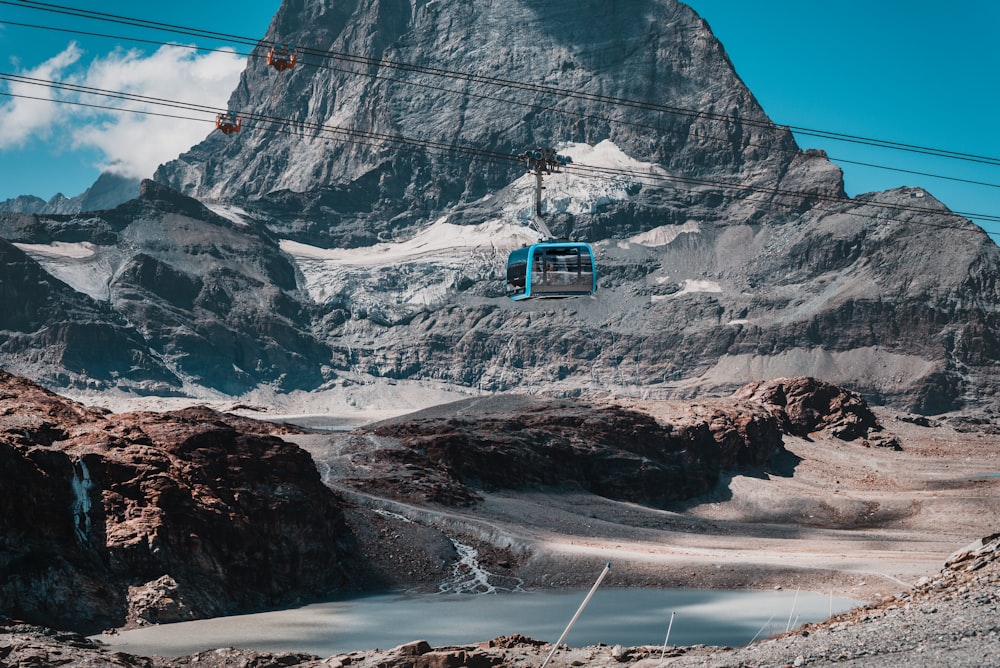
column 542, row 161
column 552, row 267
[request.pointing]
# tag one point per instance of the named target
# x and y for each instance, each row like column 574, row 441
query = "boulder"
column 807, row 404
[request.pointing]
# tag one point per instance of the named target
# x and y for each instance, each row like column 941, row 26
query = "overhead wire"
column 370, row 138
column 505, row 83
column 771, row 191
column 676, row 183
column 774, row 191
column 250, row 116
column 691, row 133
column 981, row 217
column 420, row 84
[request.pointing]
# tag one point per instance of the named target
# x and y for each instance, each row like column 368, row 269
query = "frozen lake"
column 613, row 616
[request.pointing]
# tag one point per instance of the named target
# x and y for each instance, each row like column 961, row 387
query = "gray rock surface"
column 66, row 338
column 657, row 51
column 167, row 293
column 107, row 192
column 703, row 286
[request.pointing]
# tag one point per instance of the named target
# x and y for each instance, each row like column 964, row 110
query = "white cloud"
column 132, row 144
column 22, row 118
column 135, row 144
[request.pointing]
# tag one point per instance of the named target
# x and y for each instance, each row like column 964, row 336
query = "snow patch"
column 606, row 154
column 236, row 214
column 576, row 191
column 85, row 267
column 420, row 271
column 697, row 285
column 391, row 279
column 60, row 249
column 437, row 242
column 690, row 286
column 665, row 234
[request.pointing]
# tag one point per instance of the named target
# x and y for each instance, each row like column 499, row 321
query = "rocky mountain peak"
column 356, row 229
column 447, row 88
column 108, row 191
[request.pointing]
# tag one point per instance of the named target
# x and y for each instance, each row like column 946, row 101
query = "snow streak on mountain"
column 355, row 230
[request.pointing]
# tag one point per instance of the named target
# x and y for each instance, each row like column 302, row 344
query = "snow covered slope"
column 357, row 235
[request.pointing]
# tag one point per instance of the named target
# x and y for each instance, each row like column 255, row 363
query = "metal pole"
column 538, row 191
column 762, row 628
column 663, row 654
column 578, row 611
column 792, row 611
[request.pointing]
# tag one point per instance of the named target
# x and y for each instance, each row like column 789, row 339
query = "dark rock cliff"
column 446, row 454
column 152, row 518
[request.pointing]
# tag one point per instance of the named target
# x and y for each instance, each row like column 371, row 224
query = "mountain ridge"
column 108, row 191
column 726, row 254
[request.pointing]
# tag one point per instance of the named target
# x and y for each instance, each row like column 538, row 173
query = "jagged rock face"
column 207, row 300
column 52, row 332
column 656, row 51
column 702, row 288
column 99, row 508
column 445, row 454
column 805, row 405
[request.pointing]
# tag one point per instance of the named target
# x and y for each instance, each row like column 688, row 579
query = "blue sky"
column 923, row 73
column 47, row 148
column 919, row 72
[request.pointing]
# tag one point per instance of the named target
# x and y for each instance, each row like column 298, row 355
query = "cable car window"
column 551, row 269
column 516, row 277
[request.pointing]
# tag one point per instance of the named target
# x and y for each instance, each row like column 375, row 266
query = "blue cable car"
column 551, row 269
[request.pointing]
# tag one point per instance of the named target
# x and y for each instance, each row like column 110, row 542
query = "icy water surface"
column 613, row 616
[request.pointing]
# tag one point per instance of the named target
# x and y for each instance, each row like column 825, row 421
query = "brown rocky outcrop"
column 420, row 654
column 806, row 404
column 515, row 442
column 157, row 517
column 449, row 453
column 150, row 517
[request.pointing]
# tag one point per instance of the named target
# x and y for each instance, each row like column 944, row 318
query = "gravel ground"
column 951, row 620
column 948, row 620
